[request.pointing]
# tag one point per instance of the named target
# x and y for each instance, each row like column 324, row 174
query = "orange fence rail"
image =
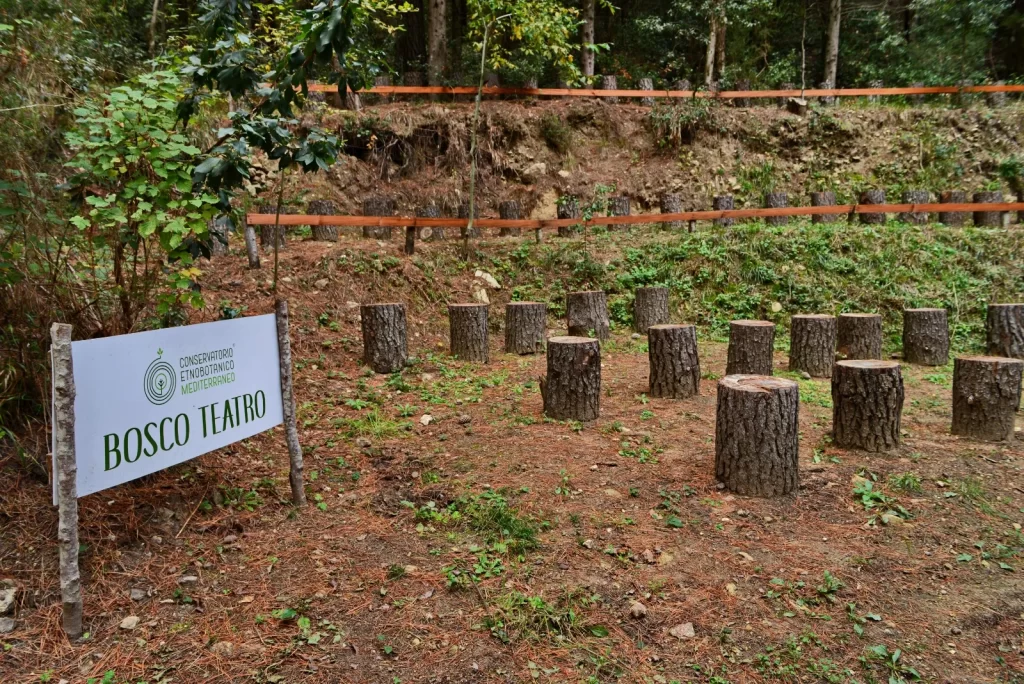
column 722, row 94
column 538, row 224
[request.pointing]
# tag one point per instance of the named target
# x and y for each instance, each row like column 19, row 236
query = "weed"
column 906, row 482
column 520, row 616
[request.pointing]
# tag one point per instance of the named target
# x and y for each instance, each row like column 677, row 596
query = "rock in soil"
column 683, row 631
column 638, row 610
column 137, row 594
column 7, row 625
column 130, row 622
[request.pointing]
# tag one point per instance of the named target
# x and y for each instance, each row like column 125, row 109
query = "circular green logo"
column 159, row 382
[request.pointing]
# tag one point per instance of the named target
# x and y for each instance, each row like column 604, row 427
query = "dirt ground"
column 488, row 544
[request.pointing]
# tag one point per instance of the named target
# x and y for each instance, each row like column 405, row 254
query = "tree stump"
column 742, row 84
column 872, row 197
column 916, row 218
column 323, row 208
column 751, row 344
column 986, row 396
column 875, row 99
column 568, row 207
column 468, row 331
column 723, row 203
column 812, row 344
column 827, row 100
column 757, row 435
column 383, row 81
column 609, row 82
column 996, row 99
column 823, row 199
column 267, row 232
column 378, row 206
column 646, row 84
column 650, row 307
column 587, row 314
column 572, row 388
column 952, row 218
column 219, row 229
column 926, row 337
column 916, row 99
column 674, row 362
column 429, row 232
column 526, row 325
column 784, row 101
column 385, row 346
column 463, row 213
column 993, row 219
column 798, row 106
column 776, row 200
column 671, row 204
column 510, row 211
column 867, row 405
column 414, row 79
column 860, row 336
column 683, row 84
column 1005, row 330
column 618, row 206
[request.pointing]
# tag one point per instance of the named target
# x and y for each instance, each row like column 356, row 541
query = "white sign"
column 151, row 400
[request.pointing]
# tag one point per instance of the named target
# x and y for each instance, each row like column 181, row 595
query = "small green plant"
column 905, row 482
column 892, row 661
column 564, row 487
column 556, row 132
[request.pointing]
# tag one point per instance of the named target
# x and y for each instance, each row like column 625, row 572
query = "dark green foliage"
column 556, row 133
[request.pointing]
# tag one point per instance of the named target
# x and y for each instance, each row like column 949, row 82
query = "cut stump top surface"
column 669, row 326
column 524, row 303
column 869, row 364
column 467, row 305
column 998, row 305
column 923, row 309
column 991, row 359
column 384, row 304
column 579, row 292
column 759, row 323
column 812, row 316
column 860, row 315
column 756, row 383
column 569, row 339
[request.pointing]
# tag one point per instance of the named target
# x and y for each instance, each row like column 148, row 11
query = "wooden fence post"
column 291, row 430
column 67, row 478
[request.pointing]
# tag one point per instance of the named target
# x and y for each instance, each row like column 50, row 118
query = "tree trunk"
column 952, row 218
column 267, row 232
column 250, row 247
column 152, row 27
column 526, row 325
column 475, row 232
column 572, row 388
column 784, row 101
column 992, row 219
column 671, row 204
column 323, row 208
column 378, row 206
column 1005, row 330
column 468, row 331
column 674, row 362
column 997, row 99
column 568, row 208
column 650, row 307
column 860, row 336
column 812, row 344
column 742, row 84
column 510, row 211
column 587, row 53
column 709, row 58
column 872, row 197
column 835, row 16
column 776, row 200
column 410, row 240
column 926, row 337
column 436, row 41
column 385, row 345
column 720, row 27
column 757, row 433
column 646, row 84
column 751, row 344
column 610, row 82
column 986, row 396
column 827, row 100
column 219, row 229
column 587, row 314
column 723, row 203
column 917, row 218
column 291, row 430
column 428, row 233
column 875, row 99
column 867, row 405
column 823, row 199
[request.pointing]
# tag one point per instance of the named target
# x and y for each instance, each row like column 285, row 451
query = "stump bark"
column 587, row 314
column 267, row 232
column 757, row 435
column 385, row 345
column 992, row 219
column 750, row 348
column 568, row 207
column 671, row 204
column 572, row 388
column 823, row 199
column 860, row 336
column 776, row 200
column 1005, row 330
column 429, row 232
column 323, row 208
column 510, row 211
column 872, row 197
column 784, row 101
column 867, row 405
column 464, row 214
column 609, row 82
column 468, row 331
column 875, row 99
column 683, row 84
column 219, row 229
column 926, row 337
column 378, row 206
column 650, row 307
column 646, row 84
column 742, row 84
column 525, row 327
column 812, row 344
column 916, row 218
column 996, row 99
column 674, row 361
column 618, row 206
column 986, row 397
column 723, row 203
column 827, row 100
column 952, row 218
column 916, row 99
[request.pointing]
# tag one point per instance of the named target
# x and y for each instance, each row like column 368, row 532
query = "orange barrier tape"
column 415, row 221
column 723, row 94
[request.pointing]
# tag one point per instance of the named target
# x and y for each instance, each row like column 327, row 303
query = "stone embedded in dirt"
column 612, row 493
column 231, row 539
column 648, row 556
column 223, row 648
column 188, row 579
column 130, row 622
column 7, row 625
column 635, row 336
column 564, row 174
column 426, row 419
column 8, row 595
column 480, row 295
column 488, row 278
column 534, row 172
column 637, row 610
column 465, row 419
column 363, row 443
column 683, row 631
column 137, row 594
column 730, row 588
column 804, row 375
column 321, row 284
